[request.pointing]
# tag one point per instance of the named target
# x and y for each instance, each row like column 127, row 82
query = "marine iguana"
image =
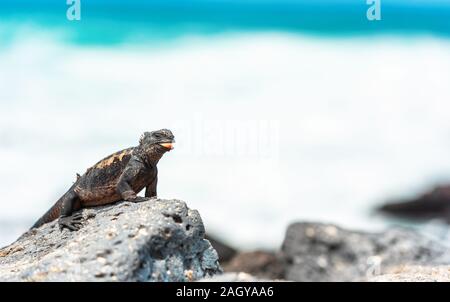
column 120, row 176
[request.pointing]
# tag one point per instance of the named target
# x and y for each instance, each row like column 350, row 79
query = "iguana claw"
column 73, row 223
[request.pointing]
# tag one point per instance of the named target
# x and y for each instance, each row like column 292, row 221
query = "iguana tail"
column 51, row 214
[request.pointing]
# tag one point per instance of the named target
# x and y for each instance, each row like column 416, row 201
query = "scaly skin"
column 120, row 176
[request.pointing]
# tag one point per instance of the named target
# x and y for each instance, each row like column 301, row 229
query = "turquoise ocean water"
column 109, row 22
column 283, row 110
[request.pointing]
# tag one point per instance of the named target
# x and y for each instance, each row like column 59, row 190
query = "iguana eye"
column 157, row 135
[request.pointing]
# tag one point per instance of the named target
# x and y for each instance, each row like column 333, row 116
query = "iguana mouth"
column 167, row 145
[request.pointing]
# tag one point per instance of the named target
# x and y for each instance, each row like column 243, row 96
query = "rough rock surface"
column 157, row 240
column 323, row 252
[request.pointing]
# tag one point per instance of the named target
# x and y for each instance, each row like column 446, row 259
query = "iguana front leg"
column 67, row 219
column 131, row 172
column 150, row 191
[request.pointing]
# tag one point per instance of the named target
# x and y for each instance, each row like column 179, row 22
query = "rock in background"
column 434, row 204
column 225, row 251
column 324, row 252
column 261, row 264
column 157, row 240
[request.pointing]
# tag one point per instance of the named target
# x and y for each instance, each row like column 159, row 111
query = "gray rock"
column 324, row 252
column 158, row 240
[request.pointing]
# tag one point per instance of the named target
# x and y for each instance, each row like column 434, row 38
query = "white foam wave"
column 358, row 120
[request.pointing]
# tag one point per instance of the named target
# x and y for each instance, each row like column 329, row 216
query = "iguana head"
column 160, row 140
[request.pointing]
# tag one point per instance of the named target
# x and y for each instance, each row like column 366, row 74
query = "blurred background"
column 283, row 110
